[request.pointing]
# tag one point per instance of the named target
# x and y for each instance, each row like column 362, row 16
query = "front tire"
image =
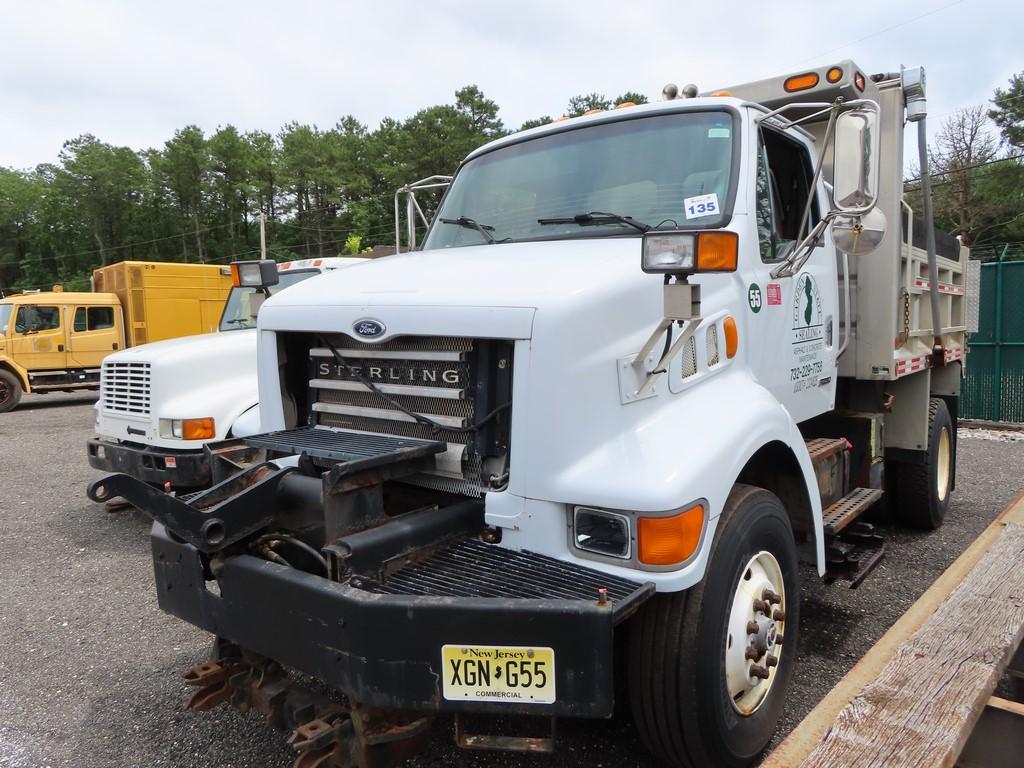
column 10, row 391
column 924, row 489
column 696, row 698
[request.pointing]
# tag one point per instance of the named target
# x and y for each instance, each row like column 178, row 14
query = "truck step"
column 849, row 508
column 853, row 554
column 360, row 450
column 471, row 568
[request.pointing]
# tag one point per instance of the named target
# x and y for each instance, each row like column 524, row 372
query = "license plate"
column 513, row 674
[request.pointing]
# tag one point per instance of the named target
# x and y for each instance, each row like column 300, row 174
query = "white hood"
column 443, row 292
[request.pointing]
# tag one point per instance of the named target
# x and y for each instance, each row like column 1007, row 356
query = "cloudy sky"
column 132, row 72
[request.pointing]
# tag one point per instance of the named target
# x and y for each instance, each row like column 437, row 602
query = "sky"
column 132, row 72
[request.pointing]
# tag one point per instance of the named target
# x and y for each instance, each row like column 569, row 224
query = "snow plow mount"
column 325, row 732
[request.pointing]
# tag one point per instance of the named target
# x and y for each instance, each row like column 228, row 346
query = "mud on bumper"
column 384, row 649
column 182, row 469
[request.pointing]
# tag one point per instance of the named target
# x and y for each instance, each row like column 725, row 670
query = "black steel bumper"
column 182, row 469
column 384, row 650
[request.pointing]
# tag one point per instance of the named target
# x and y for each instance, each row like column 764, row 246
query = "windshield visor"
column 672, row 171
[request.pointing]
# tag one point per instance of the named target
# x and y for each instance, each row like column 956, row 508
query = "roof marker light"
column 801, row 82
column 834, row 74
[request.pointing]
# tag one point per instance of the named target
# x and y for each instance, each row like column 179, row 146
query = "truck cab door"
column 39, row 342
column 793, row 320
column 96, row 331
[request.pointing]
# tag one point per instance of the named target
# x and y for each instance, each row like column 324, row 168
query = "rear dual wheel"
column 708, row 667
column 923, row 490
column 10, row 391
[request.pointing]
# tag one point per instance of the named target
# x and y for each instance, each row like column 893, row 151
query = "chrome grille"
column 124, row 387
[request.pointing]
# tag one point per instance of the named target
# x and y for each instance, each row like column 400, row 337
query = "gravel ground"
column 90, row 668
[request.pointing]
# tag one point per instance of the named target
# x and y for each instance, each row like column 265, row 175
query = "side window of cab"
column 32, row 319
column 784, row 173
column 93, row 319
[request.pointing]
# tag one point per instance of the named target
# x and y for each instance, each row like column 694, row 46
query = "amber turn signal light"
column 197, row 429
column 800, row 82
column 717, row 251
column 669, row 540
column 732, row 337
column 834, row 74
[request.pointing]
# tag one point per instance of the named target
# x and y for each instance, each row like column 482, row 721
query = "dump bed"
column 890, row 289
column 165, row 300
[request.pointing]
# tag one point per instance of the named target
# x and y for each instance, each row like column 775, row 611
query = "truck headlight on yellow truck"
column 188, row 429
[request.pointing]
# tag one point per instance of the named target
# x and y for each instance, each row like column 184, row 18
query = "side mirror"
column 855, row 163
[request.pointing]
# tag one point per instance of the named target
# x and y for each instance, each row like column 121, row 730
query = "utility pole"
column 263, row 235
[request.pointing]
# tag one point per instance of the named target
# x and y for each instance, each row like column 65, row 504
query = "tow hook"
column 325, row 733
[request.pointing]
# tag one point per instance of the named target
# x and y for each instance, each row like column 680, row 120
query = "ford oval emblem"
column 368, row 328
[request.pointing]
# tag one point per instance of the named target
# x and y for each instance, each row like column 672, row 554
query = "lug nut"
column 756, row 670
column 771, row 597
column 771, row 661
column 751, row 627
column 778, row 639
column 762, row 606
column 779, row 615
column 752, row 654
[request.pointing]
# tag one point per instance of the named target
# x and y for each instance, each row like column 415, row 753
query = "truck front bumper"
column 385, row 650
column 182, row 469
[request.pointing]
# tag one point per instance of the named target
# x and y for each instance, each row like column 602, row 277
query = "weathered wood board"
column 913, row 699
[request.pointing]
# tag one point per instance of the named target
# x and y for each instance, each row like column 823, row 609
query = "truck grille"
column 124, row 387
column 434, row 376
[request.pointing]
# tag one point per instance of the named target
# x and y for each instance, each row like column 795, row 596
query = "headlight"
column 669, row 254
column 254, row 274
column 601, row 532
column 188, row 429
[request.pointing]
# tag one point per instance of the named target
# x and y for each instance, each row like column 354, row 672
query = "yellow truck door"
column 39, row 342
column 96, row 331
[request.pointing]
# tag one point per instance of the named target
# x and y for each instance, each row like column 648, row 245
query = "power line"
column 879, row 32
column 971, row 167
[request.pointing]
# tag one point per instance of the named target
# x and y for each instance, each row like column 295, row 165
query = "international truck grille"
column 124, row 387
column 445, row 379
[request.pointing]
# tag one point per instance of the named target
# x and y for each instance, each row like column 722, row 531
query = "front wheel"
column 708, row 667
column 10, row 391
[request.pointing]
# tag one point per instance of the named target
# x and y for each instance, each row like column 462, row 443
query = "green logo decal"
column 754, row 297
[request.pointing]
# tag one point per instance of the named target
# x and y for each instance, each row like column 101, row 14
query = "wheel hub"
column 753, row 643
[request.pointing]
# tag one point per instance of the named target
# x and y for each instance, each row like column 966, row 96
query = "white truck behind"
column 645, row 360
column 161, row 403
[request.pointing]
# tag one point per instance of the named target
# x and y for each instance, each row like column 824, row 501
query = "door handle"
column 60, row 347
column 114, row 345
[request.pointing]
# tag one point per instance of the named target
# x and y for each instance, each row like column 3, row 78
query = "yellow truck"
column 56, row 340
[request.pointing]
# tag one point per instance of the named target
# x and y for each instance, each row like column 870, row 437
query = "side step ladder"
column 852, row 548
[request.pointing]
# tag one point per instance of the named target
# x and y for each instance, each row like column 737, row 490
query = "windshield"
column 5, row 316
column 238, row 311
column 666, row 170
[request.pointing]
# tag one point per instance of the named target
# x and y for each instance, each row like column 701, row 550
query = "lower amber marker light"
column 672, row 539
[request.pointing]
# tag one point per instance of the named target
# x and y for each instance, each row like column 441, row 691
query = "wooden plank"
column 920, row 710
column 805, row 737
column 1013, row 707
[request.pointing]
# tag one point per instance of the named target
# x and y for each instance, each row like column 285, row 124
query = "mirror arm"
column 802, row 252
column 829, row 136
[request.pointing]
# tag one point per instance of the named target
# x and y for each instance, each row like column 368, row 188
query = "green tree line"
column 199, row 197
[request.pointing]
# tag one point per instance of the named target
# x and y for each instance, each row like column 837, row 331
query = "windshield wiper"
column 594, row 218
column 468, row 223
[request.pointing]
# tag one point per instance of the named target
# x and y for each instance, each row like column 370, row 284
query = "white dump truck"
column 644, row 362
column 161, row 403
